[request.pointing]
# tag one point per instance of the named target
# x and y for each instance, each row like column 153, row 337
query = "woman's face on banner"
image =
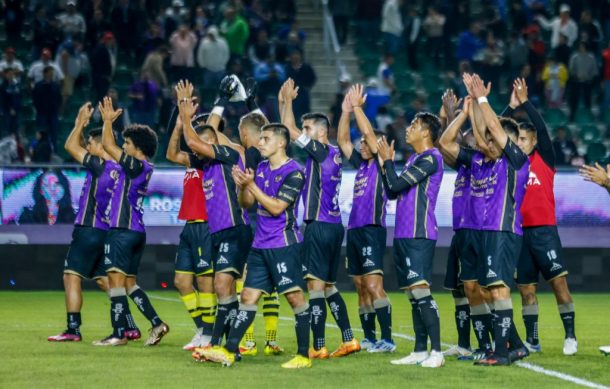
column 51, row 189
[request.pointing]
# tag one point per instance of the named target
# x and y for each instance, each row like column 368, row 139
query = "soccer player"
column 274, row 261
column 324, row 231
column 85, row 255
column 366, row 231
column 126, row 238
column 194, row 256
column 541, row 249
column 498, row 180
column 229, row 224
column 416, row 232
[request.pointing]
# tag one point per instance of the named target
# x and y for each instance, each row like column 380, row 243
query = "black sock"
column 502, row 328
column 317, row 304
column 530, row 320
column 74, row 322
column 117, row 313
column 143, row 303
column 430, row 318
column 514, row 338
column 339, row 311
column 462, row 323
column 244, row 318
column 367, row 320
column 567, row 314
column 421, row 334
column 302, row 317
column 225, row 313
column 131, row 323
column 383, row 310
column 481, row 324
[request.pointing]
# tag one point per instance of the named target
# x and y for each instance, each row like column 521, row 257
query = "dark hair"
column 143, row 137
column 96, row 132
column 510, row 126
column 40, row 211
column 278, row 129
column 203, row 128
column 318, row 118
column 431, row 122
column 527, row 127
column 204, row 118
column 253, row 121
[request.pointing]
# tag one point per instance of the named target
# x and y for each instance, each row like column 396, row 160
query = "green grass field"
column 28, row 360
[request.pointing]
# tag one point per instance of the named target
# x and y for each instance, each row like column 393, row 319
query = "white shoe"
column 435, row 359
column 366, row 344
column 199, row 340
column 412, row 359
column 457, row 351
column 570, row 346
column 605, row 350
column 533, row 348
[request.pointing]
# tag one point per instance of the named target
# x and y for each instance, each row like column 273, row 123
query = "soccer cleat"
column 570, row 346
column 493, row 360
column 457, row 351
column 414, row 358
column 436, row 359
column 383, row 346
column 533, row 348
column 346, row 348
column 65, row 337
column 111, row 341
column 197, row 354
column 298, row 362
column 156, row 333
column 318, row 354
column 133, row 334
column 248, row 349
column 518, row 354
column 605, row 350
column 198, row 340
column 366, row 344
column 271, row 348
column 479, row 354
column 216, row 354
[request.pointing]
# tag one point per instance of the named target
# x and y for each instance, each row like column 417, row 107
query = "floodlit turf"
column 28, row 360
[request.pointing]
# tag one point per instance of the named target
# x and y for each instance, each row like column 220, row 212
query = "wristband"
column 482, row 100
column 218, row 110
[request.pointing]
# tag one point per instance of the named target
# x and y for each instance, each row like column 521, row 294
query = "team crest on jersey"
column 260, row 175
column 278, row 178
column 337, row 159
column 299, row 175
column 479, row 162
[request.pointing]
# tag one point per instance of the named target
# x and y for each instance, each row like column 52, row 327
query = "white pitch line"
column 525, row 365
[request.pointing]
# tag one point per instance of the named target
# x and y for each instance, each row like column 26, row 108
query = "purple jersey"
column 284, row 183
column 126, row 208
column 497, row 188
column 96, row 192
column 370, row 197
column 220, row 190
column 417, row 188
column 323, row 181
column 461, row 199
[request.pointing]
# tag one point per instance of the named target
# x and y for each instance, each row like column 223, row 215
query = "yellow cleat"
column 346, row 348
column 319, row 354
column 273, row 349
column 217, row 354
column 298, row 362
column 248, row 349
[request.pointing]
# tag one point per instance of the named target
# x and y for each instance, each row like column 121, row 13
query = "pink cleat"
column 133, row 334
column 65, row 337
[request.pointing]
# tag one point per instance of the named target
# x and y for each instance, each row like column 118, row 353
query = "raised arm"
column 449, row 108
column 480, row 92
column 73, row 144
column 343, row 137
column 174, row 154
column 357, row 100
column 290, row 92
column 228, row 88
column 422, row 168
column 109, row 115
column 184, row 93
column 596, row 174
column 448, row 140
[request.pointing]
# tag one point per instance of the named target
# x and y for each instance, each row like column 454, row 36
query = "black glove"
column 226, row 90
column 251, row 89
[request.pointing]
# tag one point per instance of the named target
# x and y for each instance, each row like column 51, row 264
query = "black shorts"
column 468, row 252
column 278, row 268
column 123, row 251
column 498, row 259
column 452, row 274
column 540, row 253
column 413, row 260
column 365, row 250
column 85, row 256
column 322, row 251
column 230, row 249
column 194, row 255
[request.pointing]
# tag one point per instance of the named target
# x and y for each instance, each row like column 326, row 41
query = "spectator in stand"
column 517, row 54
column 376, row 97
column 491, row 58
column 391, row 25
column 583, row 70
column 153, row 66
column 153, row 39
column 340, row 9
column 36, row 72
column 258, row 17
column 11, row 61
column 294, row 34
column 10, row 99
column 434, row 25
column 236, row 31
column 122, row 122
column 305, row 78
column 175, row 16
column 606, row 76
column 13, row 19
column 71, row 23
column 563, row 52
column 96, row 28
column 284, row 11
column 565, row 149
column 536, row 55
column 555, row 77
column 182, row 59
column 46, row 97
column 412, row 33
column 268, row 90
column 469, row 43
column 103, row 63
column 41, row 149
column 368, row 19
column 589, row 31
column 45, row 32
column 261, row 49
column 562, row 24
column 10, row 149
column 201, row 22
column 385, row 76
column 69, row 60
column 125, row 24
column 269, row 68
column 213, row 56
column 144, row 95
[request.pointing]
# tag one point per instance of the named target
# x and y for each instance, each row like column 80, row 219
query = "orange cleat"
column 318, row 354
column 346, row 348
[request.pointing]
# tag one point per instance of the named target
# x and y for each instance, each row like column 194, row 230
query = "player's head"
column 94, row 142
column 425, row 126
column 365, row 150
column 206, row 133
column 315, row 125
column 250, row 128
column 140, row 141
column 527, row 137
column 274, row 138
column 511, row 127
column 203, row 118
